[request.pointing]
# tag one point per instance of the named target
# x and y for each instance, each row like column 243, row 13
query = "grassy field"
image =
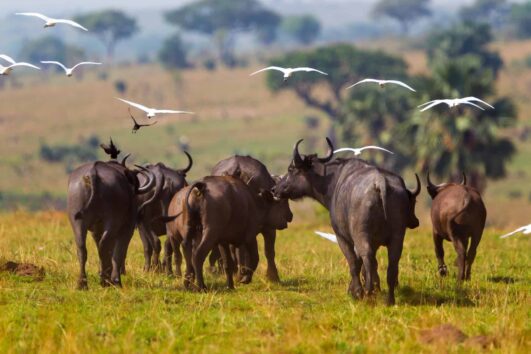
column 308, row 311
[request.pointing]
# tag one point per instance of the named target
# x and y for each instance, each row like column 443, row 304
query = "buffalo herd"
column 223, row 213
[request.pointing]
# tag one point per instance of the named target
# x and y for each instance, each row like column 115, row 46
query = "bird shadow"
column 502, row 279
column 458, row 297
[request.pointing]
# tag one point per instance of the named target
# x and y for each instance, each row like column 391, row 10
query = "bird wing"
column 85, row 63
column 148, row 125
column 24, row 64
column 401, row 84
column 432, row 104
column 71, row 23
column 136, row 105
column 374, row 147
column 355, row 151
column 329, row 237
column 307, row 69
column 34, row 14
column 514, row 232
column 56, row 63
column 472, row 104
column 7, row 58
column 362, row 81
column 269, row 68
column 475, row 99
column 427, row 103
column 163, row 111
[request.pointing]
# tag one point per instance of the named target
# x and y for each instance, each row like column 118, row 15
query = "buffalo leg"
column 269, row 248
column 178, row 257
column 213, row 258
column 471, row 254
column 251, row 262
column 439, row 253
column 228, row 263
column 105, row 251
column 199, row 256
column 354, row 263
column 394, row 252
column 168, row 253
column 460, row 246
column 189, row 272
column 80, row 232
column 148, row 249
column 155, row 261
column 120, row 253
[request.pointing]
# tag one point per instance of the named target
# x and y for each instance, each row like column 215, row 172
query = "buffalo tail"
column 89, row 180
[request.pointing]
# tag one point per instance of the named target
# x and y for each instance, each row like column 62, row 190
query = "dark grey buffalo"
column 150, row 224
column 369, row 207
column 457, row 215
column 102, row 199
column 278, row 214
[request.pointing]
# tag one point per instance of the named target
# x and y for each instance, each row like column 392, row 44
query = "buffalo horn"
column 330, row 152
column 124, row 159
column 297, row 159
column 190, row 163
column 464, row 179
column 151, row 180
column 417, row 190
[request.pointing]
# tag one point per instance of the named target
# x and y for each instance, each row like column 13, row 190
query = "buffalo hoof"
column 357, row 294
column 246, row 279
column 443, row 271
column 390, row 301
column 272, row 276
column 82, row 284
column 187, row 284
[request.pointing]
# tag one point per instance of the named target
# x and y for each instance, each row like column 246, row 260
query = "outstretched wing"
column 136, row 105
column 329, row 237
column 472, row 104
column 475, row 99
column 363, row 81
column 71, row 23
column 56, row 63
column 306, row 69
column 355, row 151
column 24, row 64
column 85, row 63
column 396, row 82
column 520, row 229
column 34, row 14
column 431, row 104
column 170, row 111
column 147, row 125
column 278, row 68
column 374, row 147
column 8, row 59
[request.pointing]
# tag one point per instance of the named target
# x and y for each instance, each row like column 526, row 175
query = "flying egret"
column 526, row 230
column 382, row 83
column 289, row 71
column 329, row 237
column 5, row 70
column 358, row 151
column 152, row 112
column 70, row 71
column 455, row 102
column 51, row 22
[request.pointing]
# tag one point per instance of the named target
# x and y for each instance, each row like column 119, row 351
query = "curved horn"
column 430, row 185
column 149, row 184
column 190, row 163
column 124, row 159
column 297, row 159
column 416, row 192
column 159, row 185
column 464, row 180
column 330, row 152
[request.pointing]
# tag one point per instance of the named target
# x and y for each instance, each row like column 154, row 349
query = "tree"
column 521, row 18
column 110, row 26
column 304, row 29
column 493, row 12
column 223, row 19
column 344, row 65
column 172, row 54
column 403, row 11
column 50, row 48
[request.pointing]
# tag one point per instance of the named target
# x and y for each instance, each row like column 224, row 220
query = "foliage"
column 308, row 312
column 110, row 26
column 304, row 29
column 403, row 11
column 173, row 54
column 70, row 155
column 50, row 48
column 521, row 18
column 493, row 12
column 223, row 19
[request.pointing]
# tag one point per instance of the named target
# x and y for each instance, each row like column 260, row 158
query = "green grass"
column 308, row 312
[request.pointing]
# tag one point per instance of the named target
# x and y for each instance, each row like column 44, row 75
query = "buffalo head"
column 412, row 221
column 434, row 189
column 302, row 174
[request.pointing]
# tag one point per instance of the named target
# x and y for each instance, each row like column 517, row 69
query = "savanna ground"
column 309, row 311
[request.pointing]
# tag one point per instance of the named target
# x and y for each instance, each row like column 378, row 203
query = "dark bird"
column 111, row 149
column 137, row 126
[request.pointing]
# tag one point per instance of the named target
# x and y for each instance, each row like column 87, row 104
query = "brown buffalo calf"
column 216, row 211
column 458, row 215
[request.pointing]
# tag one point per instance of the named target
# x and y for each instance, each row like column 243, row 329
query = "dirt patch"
column 445, row 333
column 482, row 342
column 23, row 269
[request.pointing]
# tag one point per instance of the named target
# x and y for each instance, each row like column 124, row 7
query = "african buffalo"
column 369, row 207
column 457, row 214
column 102, row 199
column 218, row 210
column 255, row 174
column 150, row 226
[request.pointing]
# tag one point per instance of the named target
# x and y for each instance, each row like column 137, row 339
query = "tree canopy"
column 173, row 54
column 521, row 19
column 110, row 26
column 493, row 12
column 304, row 29
column 50, row 48
column 403, row 11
